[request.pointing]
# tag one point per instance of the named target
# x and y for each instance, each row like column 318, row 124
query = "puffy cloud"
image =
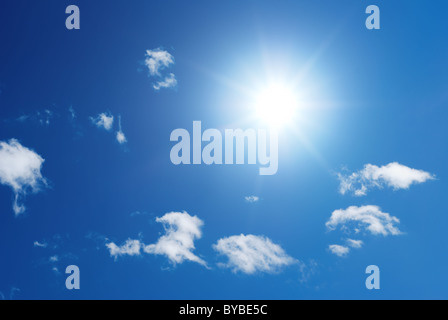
column 103, row 120
column 393, row 175
column 157, row 60
column 369, row 217
column 252, row 199
column 121, row 138
column 130, row 248
column 20, row 169
column 177, row 244
column 338, row 250
column 250, row 254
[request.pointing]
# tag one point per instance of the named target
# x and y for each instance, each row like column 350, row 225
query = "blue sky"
column 367, row 97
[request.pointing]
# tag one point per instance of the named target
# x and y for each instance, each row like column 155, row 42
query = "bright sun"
column 276, row 106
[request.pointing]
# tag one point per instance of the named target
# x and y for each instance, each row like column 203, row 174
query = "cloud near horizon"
column 393, row 175
column 20, row 169
column 250, row 254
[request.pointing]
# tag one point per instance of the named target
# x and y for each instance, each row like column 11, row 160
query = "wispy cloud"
column 157, row 61
column 20, row 169
column 252, row 199
column 13, row 293
column 356, row 244
column 104, row 120
column 393, row 175
column 250, row 254
column 38, row 244
column 168, row 82
column 41, row 117
column 368, row 217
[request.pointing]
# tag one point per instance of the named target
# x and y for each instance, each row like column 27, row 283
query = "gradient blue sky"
column 372, row 97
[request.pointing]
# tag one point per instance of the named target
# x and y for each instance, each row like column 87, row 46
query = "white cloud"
column 20, row 169
column 170, row 81
column 121, row 138
column 157, row 60
column 356, row 244
column 130, row 248
column 252, row 199
column 177, row 244
column 37, row 244
column 250, row 254
column 54, row 259
column 103, row 120
column 369, row 217
column 393, row 175
column 338, row 250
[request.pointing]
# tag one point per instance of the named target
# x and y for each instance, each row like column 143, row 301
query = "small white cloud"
column 157, row 60
column 129, row 248
column 177, row 244
column 338, row 250
column 356, row 244
column 369, row 217
column 103, row 120
column 20, row 169
column 54, row 259
column 121, row 138
column 169, row 82
column 393, row 175
column 252, row 199
column 37, row 244
column 250, row 254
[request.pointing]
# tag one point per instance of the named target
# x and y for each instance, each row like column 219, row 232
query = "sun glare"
column 276, row 106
